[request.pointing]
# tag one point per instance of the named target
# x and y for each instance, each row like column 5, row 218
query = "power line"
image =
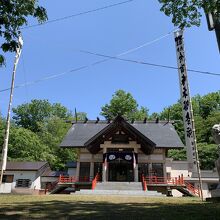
column 92, row 64
column 146, row 44
column 78, row 14
column 107, row 58
column 146, row 63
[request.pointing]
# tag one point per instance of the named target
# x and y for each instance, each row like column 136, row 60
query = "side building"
column 23, row 177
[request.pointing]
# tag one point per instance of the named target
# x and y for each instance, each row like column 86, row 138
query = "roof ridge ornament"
column 85, row 121
column 97, row 120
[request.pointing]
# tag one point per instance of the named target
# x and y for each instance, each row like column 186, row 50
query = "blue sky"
column 54, row 48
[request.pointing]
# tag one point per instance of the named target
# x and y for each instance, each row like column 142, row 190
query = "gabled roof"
column 27, row 166
column 119, row 124
column 160, row 135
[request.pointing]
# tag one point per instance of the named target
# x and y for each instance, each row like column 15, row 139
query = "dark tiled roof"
column 162, row 134
column 80, row 133
column 15, row 165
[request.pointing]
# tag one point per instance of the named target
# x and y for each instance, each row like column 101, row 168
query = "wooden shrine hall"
column 122, row 151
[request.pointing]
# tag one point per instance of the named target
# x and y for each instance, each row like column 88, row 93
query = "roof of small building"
column 71, row 164
column 21, row 165
column 55, row 174
column 163, row 134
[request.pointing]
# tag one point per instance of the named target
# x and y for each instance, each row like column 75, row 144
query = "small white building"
column 23, row 177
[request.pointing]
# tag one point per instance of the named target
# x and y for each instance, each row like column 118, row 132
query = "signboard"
column 186, row 101
column 127, row 156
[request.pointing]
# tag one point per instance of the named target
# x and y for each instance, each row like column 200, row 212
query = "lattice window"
column 23, row 183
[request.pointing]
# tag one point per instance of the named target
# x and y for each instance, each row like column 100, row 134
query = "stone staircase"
column 119, row 188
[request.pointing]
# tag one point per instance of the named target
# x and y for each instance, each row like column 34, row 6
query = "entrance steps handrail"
column 73, row 179
column 177, row 182
column 162, row 180
column 94, row 181
column 144, row 183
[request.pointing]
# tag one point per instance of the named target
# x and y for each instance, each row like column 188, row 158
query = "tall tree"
column 124, row 104
column 206, row 113
column 32, row 115
column 48, row 122
column 187, row 13
column 13, row 15
column 2, row 131
column 26, row 145
column 51, row 134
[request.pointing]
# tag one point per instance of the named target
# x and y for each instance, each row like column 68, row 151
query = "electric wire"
column 107, row 58
column 87, row 66
column 77, row 14
column 146, row 63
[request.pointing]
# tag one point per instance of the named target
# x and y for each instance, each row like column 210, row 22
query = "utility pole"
column 5, row 145
column 213, row 21
column 188, row 119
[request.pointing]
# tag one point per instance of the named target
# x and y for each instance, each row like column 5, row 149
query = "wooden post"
column 5, row 146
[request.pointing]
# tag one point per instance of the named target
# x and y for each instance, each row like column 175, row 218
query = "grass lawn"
column 105, row 207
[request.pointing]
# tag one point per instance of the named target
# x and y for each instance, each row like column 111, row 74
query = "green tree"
column 51, row 134
column 25, row 145
column 49, row 122
column 177, row 154
column 187, row 13
column 123, row 103
column 2, row 130
column 209, row 103
column 13, row 15
column 206, row 114
column 208, row 154
column 32, row 115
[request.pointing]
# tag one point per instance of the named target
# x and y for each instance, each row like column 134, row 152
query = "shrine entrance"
column 120, row 171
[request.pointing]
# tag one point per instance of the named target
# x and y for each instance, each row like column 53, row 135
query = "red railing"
column 192, row 189
column 175, row 181
column 162, row 180
column 144, row 183
column 73, row 179
column 94, row 181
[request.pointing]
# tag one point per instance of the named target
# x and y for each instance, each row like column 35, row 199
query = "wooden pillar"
column 77, row 170
column 104, row 171
column 150, row 170
column 136, row 168
column 91, row 173
column 136, row 173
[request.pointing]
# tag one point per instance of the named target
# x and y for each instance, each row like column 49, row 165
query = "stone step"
column 120, row 192
column 119, row 186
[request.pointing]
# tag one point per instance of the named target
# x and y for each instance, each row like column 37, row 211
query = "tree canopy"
column 187, row 13
column 32, row 115
column 36, row 132
column 206, row 113
column 13, row 15
column 123, row 104
column 39, row 127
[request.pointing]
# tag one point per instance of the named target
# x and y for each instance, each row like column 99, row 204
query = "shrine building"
column 120, row 150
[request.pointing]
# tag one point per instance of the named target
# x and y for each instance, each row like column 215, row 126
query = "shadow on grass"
column 59, row 209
